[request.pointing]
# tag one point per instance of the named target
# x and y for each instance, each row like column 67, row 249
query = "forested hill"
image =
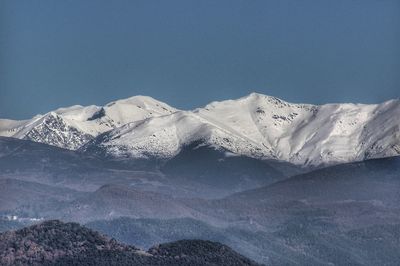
column 57, row 243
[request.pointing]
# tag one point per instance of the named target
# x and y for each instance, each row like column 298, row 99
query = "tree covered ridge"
column 56, row 243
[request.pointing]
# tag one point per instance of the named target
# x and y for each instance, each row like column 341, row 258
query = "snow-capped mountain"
column 74, row 126
column 257, row 125
column 265, row 127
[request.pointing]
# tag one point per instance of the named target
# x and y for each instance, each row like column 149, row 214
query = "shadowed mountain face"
column 196, row 171
column 57, row 243
column 205, row 169
column 373, row 179
column 31, row 161
column 208, row 165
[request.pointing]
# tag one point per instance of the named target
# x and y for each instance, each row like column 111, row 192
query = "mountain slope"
column 350, row 195
column 46, row 164
column 112, row 201
column 341, row 215
column 264, row 127
column 310, row 134
column 257, row 126
column 195, row 172
column 371, row 180
column 73, row 126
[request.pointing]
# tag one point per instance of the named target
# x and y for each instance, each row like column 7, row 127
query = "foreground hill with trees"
column 56, row 243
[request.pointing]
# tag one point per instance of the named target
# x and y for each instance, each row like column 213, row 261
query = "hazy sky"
column 187, row 53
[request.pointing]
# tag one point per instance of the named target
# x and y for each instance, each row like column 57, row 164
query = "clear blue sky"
column 187, row 53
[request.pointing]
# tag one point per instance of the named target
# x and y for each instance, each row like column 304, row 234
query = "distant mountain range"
column 256, row 126
column 281, row 183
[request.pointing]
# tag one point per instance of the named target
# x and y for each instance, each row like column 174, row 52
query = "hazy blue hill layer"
column 57, row 243
column 347, row 214
column 320, row 242
column 147, row 232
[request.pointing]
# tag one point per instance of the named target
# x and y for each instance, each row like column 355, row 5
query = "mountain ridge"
column 255, row 125
column 71, row 127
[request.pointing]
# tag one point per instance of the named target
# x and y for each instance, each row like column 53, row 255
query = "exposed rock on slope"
column 257, row 126
column 264, row 127
column 74, row 126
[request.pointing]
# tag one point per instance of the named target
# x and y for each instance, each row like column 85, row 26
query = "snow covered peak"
column 71, row 127
column 266, row 127
column 139, row 100
column 256, row 100
column 256, row 125
column 77, row 112
column 255, row 96
column 136, row 108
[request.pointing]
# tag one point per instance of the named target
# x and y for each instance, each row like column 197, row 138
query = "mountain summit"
column 74, row 126
column 256, row 125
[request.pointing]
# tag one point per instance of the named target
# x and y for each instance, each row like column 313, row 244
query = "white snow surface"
column 74, row 126
column 257, row 125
